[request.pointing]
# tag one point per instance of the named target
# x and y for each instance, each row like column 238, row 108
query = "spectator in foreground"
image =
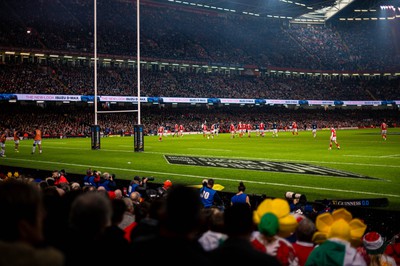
column 89, row 216
column 393, row 248
column 178, row 228
column 237, row 249
column 304, row 244
column 117, row 245
column 21, row 226
column 375, row 247
column 213, row 234
column 272, row 232
column 336, row 235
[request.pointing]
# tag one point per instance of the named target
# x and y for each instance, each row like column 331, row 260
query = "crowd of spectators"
column 55, row 78
column 66, row 223
column 199, row 35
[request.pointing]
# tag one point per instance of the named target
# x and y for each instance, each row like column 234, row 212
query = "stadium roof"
column 295, row 11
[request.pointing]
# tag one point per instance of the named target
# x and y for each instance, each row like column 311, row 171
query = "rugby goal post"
column 138, row 128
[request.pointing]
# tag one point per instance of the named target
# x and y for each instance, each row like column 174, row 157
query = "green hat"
column 269, row 224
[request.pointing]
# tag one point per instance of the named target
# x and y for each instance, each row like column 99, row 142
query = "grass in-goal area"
column 365, row 167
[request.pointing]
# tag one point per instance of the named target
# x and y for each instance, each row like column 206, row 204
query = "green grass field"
column 365, row 166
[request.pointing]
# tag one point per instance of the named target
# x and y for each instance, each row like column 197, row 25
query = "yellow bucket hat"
column 279, row 208
column 339, row 224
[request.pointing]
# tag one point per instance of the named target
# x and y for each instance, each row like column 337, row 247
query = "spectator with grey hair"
column 304, row 245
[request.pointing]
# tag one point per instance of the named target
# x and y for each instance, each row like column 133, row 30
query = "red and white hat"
column 374, row 243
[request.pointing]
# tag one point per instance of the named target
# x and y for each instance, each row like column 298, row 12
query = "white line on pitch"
column 207, row 149
column 131, row 146
column 370, row 156
column 246, row 158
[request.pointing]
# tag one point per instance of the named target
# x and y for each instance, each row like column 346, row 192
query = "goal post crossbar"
column 117, row 111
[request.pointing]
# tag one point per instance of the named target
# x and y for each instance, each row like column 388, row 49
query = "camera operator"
column 298, row 204
column 59, row 177
column 140, row 185
column 108, row 181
